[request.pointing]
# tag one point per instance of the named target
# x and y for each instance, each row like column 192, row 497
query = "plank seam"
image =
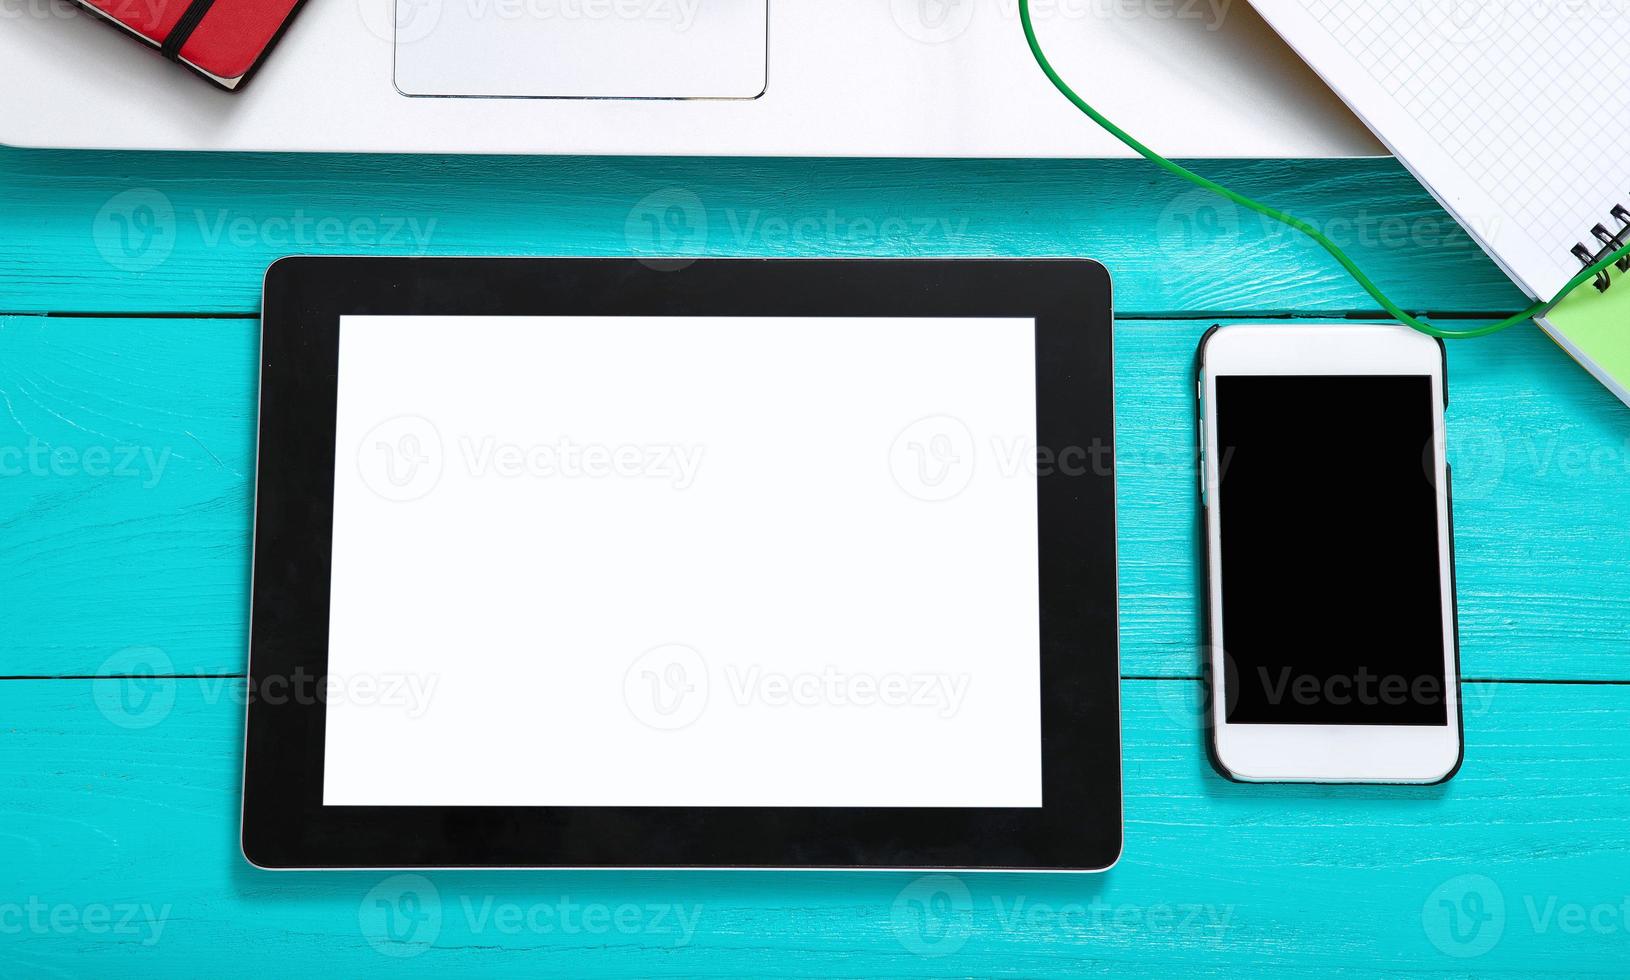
column 1581, row 682
column 1130, row 316
column 1471, row 315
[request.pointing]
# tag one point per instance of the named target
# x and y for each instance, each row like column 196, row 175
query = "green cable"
column 1538, row 309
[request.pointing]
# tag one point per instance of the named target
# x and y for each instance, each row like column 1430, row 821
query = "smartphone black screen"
column 1332, row 610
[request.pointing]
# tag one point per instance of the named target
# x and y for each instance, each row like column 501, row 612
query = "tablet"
column 599, row 563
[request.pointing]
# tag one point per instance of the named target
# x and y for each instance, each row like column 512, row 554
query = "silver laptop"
column 615, row 49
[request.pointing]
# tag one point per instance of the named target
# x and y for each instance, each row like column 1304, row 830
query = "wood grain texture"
column 151, row 548
column 172, row 232
column 110, row 809
column 127, row 450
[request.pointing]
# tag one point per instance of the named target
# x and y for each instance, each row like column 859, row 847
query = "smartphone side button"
column 1202, row 458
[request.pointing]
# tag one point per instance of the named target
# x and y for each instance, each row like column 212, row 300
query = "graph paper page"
column 1514, row 113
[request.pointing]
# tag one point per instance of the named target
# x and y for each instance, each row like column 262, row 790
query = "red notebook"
column 222, row 40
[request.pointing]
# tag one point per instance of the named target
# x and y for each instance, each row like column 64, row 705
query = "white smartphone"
column 1331, row 654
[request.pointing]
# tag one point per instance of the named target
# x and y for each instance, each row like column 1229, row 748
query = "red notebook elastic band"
column 190, row 19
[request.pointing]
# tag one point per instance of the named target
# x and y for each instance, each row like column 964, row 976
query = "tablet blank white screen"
column 684, row 561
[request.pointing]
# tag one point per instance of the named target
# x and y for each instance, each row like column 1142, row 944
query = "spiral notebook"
column 1515, row 114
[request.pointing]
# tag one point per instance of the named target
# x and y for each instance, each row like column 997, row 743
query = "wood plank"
column 173, row 232
column 127, row 499
column 149, row 548
column 1217, row 879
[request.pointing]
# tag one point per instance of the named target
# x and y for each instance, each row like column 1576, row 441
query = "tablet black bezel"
column 1077, row 828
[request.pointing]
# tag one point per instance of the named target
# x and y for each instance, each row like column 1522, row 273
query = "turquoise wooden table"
column 129, row 288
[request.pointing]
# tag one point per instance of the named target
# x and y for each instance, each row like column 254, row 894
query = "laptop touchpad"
column 627, row 49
